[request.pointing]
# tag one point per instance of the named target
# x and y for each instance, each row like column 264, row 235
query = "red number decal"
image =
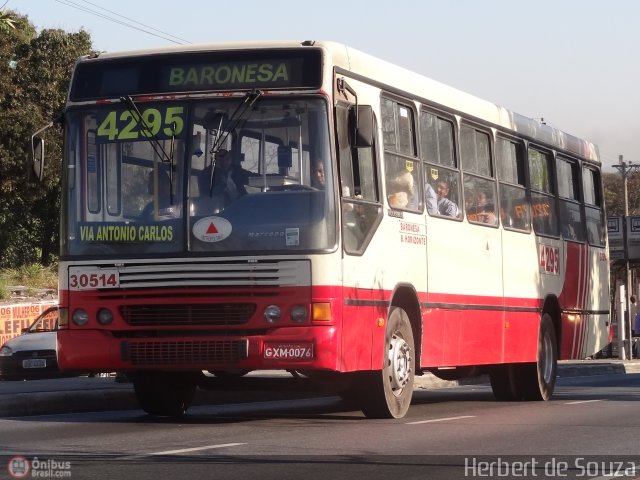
column 549, row 259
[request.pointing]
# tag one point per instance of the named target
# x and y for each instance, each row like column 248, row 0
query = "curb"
column 123, row 398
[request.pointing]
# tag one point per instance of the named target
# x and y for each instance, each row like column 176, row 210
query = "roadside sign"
column 616, row 239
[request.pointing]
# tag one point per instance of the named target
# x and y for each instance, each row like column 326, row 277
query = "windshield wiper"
column 236, row 118
column 153, row 140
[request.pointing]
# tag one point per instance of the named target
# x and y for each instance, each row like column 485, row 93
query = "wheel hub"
column 399, row 362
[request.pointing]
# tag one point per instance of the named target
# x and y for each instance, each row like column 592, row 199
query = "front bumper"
column 283, row 348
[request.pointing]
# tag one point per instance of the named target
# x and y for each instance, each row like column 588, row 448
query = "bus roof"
column 395, row 78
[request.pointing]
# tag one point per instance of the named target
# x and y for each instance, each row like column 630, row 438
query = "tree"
column 614, row 193
column 34, row 77
column 6, row 19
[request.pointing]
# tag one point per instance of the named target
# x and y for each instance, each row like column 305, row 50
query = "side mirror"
column 362, row 124
column 37, row 156
column 37, row 149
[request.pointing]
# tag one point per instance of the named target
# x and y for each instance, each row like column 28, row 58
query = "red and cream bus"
column 305, row 206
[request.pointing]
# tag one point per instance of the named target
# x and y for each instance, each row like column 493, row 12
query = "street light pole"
column 624, row 170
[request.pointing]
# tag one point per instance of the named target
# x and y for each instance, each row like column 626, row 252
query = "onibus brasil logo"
column 21, row 467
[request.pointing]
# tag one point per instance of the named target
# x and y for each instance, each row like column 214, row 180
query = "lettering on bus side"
column 549, row 259
column 413, row 233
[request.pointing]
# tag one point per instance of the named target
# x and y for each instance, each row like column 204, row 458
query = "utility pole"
column 624, row 169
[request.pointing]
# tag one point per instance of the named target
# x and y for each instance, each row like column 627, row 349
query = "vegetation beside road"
column 34, row 276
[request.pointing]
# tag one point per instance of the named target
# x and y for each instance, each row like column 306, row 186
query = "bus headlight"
column 272, row 313
column 80, row 317
column 105, row 317
column 299, row 313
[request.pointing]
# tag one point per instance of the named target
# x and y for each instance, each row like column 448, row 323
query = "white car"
column 33, row 353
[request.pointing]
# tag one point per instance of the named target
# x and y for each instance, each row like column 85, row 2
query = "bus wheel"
column 164, row 394
column 536, row 381
column 387, row 392
column 503, row 383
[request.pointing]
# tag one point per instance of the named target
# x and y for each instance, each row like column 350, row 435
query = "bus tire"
column 164, row 394
column 503, row 383
column 387, row 393
column 536, row 381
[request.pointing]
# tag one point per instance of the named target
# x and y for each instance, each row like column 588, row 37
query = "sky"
column 573, row 63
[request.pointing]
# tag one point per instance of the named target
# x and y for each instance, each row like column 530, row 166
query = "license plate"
column 34, row 363
column 288, row 351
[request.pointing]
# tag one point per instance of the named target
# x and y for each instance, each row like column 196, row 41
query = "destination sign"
column 196, row 71
column 126, row 233
column 203, row 77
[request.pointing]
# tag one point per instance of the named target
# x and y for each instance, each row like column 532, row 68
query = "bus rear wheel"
column 164, row 394
column 503, row 383
column 536, row 381
column 387, row 393
column 529, row 381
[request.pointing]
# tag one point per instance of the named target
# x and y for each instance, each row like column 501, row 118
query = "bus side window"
column 515, row 212
column 593, row 207
column 480, row 195
column 441, row 180
column 361, row 210
column 543, row 199
column 571, row 216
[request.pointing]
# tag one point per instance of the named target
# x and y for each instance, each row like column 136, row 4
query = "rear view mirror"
column 37, row 149
column 37, row 156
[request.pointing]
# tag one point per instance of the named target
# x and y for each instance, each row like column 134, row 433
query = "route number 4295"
column 549, row 260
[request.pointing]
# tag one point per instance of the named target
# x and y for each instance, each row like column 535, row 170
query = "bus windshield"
column 241, row 175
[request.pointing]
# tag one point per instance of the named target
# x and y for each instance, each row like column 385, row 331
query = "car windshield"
column 247, row 174
column 47, row 321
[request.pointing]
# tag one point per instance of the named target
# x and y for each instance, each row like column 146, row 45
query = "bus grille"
column 200, row 273
column 188, row 352
column 194, row 314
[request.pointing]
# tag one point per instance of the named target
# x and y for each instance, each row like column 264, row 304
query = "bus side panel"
column 574, row 335
column 521, row 337
column 481, row 337
column 357, row 332
column 598, row 296
column 522, row 291
column 433, row 337
column 574, row 300
column 462, row 336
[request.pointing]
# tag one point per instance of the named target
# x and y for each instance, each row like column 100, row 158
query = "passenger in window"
column 483, row 210
column 400, row 191
column 438, row 202
column 569, row 232
column 317, row 174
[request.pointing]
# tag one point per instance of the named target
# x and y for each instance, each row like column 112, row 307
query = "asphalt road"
column 81, row 394
column 448, row 433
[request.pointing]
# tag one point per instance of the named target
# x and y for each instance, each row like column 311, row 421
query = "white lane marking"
column 582, row 401
column 184, row 450
column 441, row 419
